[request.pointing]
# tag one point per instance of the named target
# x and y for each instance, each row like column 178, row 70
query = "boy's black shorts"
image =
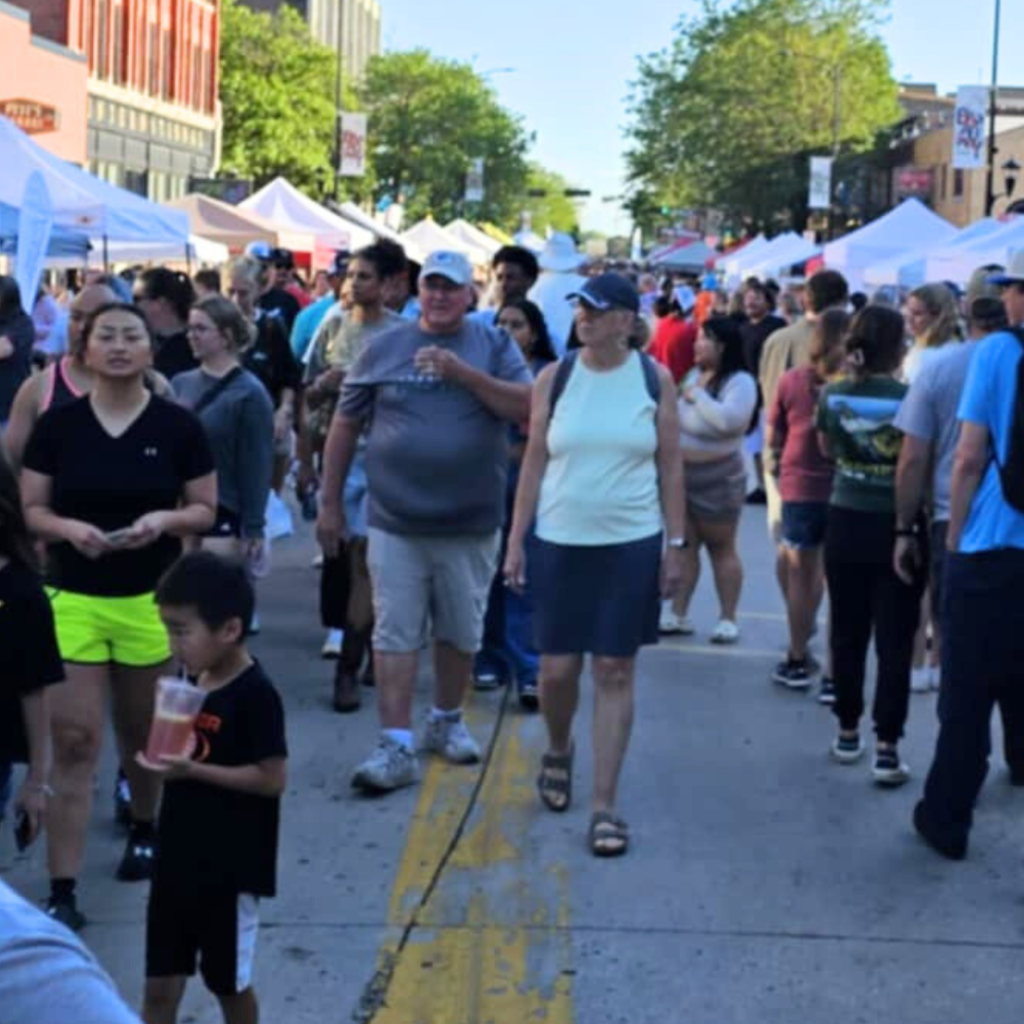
column 217, row 927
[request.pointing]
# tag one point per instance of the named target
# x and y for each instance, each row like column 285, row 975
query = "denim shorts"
column 803, row 524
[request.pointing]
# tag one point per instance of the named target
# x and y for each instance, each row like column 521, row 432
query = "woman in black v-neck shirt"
column 111, row 482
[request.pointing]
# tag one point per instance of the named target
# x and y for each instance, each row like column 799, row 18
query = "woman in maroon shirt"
column 805, row 484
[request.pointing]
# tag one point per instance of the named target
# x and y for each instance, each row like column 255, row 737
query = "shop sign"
column 31, row 117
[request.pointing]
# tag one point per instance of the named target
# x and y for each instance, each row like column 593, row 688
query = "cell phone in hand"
column 22, row 831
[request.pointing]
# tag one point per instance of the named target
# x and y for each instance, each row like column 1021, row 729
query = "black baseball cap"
column 608, row 291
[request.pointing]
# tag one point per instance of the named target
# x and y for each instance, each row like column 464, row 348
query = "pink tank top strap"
column 51, row 383
column 68, row 382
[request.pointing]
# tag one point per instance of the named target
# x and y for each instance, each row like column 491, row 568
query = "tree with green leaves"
column 429, row 119
column 727, row 116
column 554, row 210
column 277, row 90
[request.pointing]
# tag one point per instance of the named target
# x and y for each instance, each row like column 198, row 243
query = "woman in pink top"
column 805, row 483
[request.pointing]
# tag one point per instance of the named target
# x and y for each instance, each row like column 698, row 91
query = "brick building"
column 42, row 85
column 153, row 117
column 923, row 158
column 354, row 24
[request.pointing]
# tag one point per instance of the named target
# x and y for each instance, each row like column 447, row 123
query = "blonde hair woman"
column 236, row 412
column 932, row 319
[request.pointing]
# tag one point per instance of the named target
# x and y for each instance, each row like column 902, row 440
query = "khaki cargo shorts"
column 419, row 580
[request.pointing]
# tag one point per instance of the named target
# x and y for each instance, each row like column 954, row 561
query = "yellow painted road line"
column 724, row 650
column 491, row 945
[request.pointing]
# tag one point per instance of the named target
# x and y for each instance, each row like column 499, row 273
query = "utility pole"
column 340, row 8
column 990, row 176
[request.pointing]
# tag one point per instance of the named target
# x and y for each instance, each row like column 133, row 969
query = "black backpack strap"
column 565, row 365
column 561, row 378
column 208, row 397
column 651, row 378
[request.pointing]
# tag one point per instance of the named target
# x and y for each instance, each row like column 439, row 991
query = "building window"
column 117, row 42
column 197, row 78
column 944, row 181
column 166, row 87
column 958, row 183
column 102, row 61
column 154, row 59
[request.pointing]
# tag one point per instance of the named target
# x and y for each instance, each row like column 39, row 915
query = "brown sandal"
column 554, row 784
column 609, row 835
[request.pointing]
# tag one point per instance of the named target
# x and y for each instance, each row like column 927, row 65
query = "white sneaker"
column 671, row 624
column 452, row 740
column 332, row 644
column 920, row 679
column 391, row 766
column 725, row 632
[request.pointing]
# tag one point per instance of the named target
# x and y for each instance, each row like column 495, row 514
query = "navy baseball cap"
column 608, row 291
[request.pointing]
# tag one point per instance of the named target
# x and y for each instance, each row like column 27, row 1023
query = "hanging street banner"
column 353, row 145
column 475, row 182
column 820, row 191
column 969, row 127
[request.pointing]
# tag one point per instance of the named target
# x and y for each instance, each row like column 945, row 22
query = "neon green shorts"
column 100, row 630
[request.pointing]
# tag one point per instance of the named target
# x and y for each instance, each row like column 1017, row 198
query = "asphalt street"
column 764, row 883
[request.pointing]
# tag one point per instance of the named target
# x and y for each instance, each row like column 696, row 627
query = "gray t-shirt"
column 437, row 457
column 46, row 974
column 239, row 425
column 340, row 340
column 929, row 412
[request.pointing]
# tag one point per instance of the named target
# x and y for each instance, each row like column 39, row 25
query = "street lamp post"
column 340, row 10
column 990, row 177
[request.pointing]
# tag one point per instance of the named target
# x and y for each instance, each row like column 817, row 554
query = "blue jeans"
column 508, row 650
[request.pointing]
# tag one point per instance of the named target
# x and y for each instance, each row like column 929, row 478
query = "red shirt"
column 673, row 344
column 806, row 475
column 300, row 295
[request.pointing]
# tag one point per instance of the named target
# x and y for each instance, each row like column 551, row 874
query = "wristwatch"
column 679, row 543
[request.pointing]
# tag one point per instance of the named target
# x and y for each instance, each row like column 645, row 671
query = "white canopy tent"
column 909, row 226
column 349, row 211
column 957, row 264
column 472, row 235
column 428, row 236
column 910, row 269
column 83, row 202
column 529, row 240
column 284, row 205
column 785, row 252
column 745, row 251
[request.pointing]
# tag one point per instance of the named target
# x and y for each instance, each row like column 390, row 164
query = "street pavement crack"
column 374, row 995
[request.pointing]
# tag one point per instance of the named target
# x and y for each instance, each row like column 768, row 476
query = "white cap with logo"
column 451, row 265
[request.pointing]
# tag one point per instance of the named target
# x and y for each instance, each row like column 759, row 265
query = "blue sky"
column 573, row 63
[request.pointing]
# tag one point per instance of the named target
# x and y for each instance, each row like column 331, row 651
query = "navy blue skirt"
column 602, row 600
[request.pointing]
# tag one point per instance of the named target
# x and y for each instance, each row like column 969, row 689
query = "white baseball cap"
column 451, row 265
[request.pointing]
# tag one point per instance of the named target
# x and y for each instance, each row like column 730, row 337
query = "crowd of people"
column 516, row 473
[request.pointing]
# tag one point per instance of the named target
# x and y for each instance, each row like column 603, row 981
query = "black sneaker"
column 847, row 748
column 65, row 910
column 793, row 674
column 827, row 693
column 954, row 849
column 137, row 863
column 122, row 801
column 529, row 697
column 888, row 769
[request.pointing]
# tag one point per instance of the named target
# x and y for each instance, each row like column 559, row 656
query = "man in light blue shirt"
column 309, row 319
column 982, row 614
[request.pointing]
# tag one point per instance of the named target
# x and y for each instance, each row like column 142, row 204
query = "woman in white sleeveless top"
column 603, row 476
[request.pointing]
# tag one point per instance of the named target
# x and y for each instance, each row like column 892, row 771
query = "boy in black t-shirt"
column 217, row 835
